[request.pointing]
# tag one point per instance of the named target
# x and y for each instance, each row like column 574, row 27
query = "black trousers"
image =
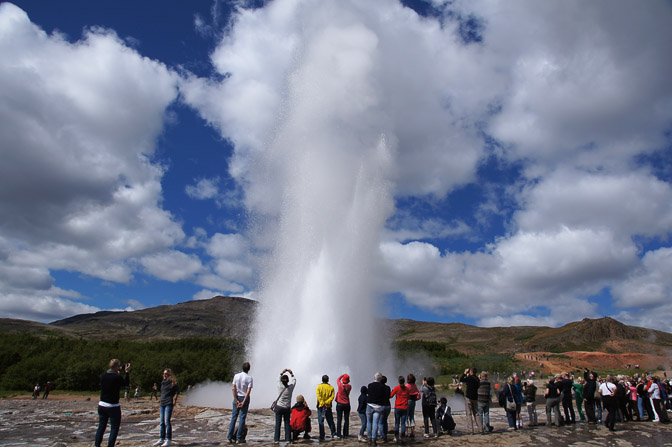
column 570, row 416
column 610, row 405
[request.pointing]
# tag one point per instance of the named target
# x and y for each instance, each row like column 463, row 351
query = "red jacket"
column 300, row 420
column 402, row 397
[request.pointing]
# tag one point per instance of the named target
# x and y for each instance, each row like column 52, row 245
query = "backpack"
column 663, row 391
column 430, row 398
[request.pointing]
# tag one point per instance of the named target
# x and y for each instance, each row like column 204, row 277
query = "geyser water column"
column 332, row 161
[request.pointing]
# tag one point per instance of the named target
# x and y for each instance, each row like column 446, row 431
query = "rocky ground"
column 71, row 421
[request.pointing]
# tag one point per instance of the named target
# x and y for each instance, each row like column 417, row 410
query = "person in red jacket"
column 343, row 406
column 300, row 419
column 400, row 408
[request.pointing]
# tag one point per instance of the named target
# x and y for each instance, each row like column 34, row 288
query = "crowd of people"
column 606, row 400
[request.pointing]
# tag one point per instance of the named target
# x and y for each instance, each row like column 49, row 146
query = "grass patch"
column 524, row 337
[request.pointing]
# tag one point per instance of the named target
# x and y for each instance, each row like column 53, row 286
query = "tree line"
column 76, row 364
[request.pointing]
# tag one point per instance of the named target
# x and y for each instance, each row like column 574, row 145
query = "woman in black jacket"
column 109, row 408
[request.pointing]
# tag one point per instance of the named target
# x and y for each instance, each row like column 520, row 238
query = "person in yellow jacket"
column 325, row 395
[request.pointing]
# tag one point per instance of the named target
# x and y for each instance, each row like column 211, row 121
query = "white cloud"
column 203, row 189
column 44, row 307
column 634, row 203
column 650, row 285
column 205, row 294
column 78, row 127
column 172, row 265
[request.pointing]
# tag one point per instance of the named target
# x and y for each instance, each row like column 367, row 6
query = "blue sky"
column 528, row 152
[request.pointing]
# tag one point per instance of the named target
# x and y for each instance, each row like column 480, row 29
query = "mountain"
column 221, row 316
column 233, row 317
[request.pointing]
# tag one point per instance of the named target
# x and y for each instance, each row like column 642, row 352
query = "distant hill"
column 603, row 334
column 221, row 316
column 233, row 317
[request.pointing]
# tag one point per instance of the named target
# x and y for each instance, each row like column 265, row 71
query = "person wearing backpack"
column 429, row 405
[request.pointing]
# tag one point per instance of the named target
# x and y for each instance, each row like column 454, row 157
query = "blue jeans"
column 484, row 414
column 640, row 407
column 411, row 414
column 362, row 419
column 235, row 413
column 280, row 415
column 341, row 410
column 373, row 421
column 113, row 414
column 386, row 416
column 400, row 415
column 166, row 427
column 322, row 413
column 511, row 418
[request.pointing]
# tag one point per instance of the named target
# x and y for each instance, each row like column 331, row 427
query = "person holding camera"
column 109, row 408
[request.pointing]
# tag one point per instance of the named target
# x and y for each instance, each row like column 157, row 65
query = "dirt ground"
column 596, row 361
column 71, row 421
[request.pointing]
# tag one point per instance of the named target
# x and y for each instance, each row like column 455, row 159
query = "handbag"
column 275, row 402
column 510, row 404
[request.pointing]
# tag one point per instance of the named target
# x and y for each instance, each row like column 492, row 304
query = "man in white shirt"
column 241, row 388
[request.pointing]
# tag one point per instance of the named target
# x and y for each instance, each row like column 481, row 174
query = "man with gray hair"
column 375, row 406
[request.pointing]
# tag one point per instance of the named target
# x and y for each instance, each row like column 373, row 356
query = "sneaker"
column 426, row 435
column 159, row 442
column 361, row 438
column 167, row 443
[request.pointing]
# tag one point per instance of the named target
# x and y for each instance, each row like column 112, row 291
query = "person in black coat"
column 589, row 390
column 109, row 408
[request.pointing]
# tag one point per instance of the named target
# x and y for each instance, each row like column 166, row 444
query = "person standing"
column 566, row 388
column 578, row 397
column 387, row 410
column 47, row 387
column 343, row 406
column 511, row 394
column 241, row 388
column 414, row 396
column 401, row 394
column 429, row 402
column 325, row 397
column 471, row 399
column 109, row 408
column 589, row 391
column 155, row 390
column 608, row 392
column 361, row 411
column 36, row 391
column 553, row 399
column 484, row 399
column 376, row 398
column 283, row 404
column 169, row 391
column 530, row 398
column 657, row 395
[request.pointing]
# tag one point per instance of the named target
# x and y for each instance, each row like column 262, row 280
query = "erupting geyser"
column 317, row 297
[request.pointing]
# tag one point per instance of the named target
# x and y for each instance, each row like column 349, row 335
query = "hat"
column 299, row 398
column 346, row 378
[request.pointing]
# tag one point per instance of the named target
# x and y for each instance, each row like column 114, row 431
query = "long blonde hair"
column 171, row 375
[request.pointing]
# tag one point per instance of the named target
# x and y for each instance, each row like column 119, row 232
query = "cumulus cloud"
column 78, row 124
column 172, row 265
column 571, row 93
